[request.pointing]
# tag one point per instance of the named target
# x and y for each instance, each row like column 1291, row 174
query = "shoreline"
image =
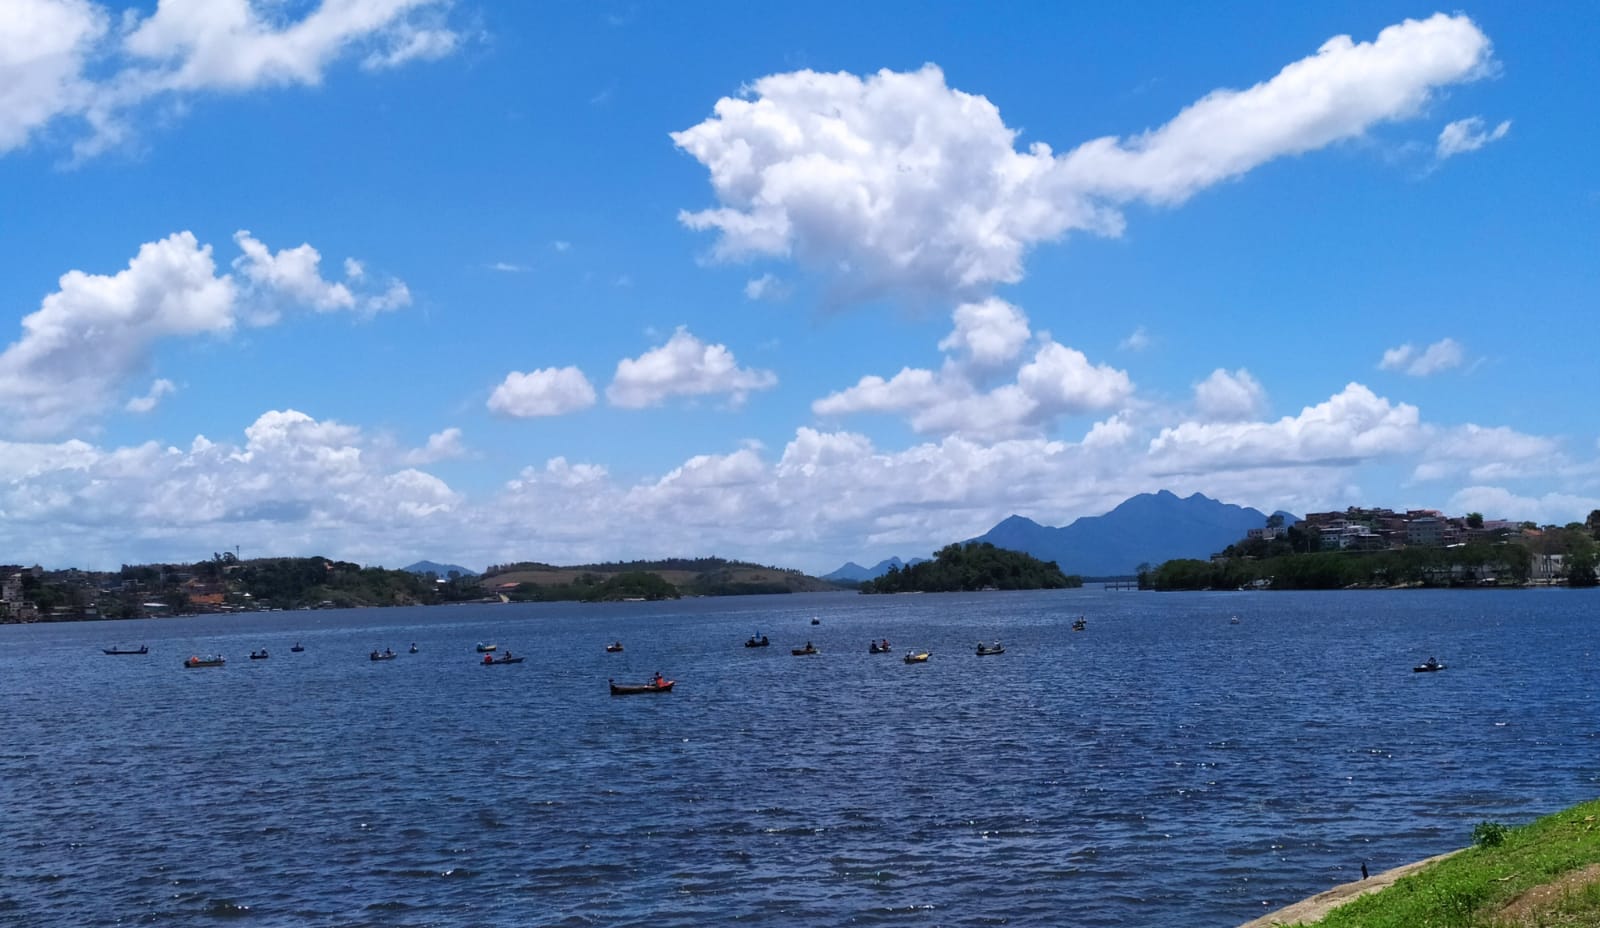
column 1316, row 907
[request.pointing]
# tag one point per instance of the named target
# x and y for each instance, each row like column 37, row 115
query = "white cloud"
column 1468, row 134
column 1061, row 381
column 1352, row 426
column 684, row 366
column 1334, row 95
column 561, row 246
column 296, row 486
column 158, row 389
column 293, row 272
column 767, row 287
column 59, row 58
column 897, row 183
column 550, row 391
column 441, row 446
column 43, row 47
column 407, row 43
column 1138, row 340
column 508, row 267
column 96, row 332
column 912, row 388
column 1442, row 355
column 1488, row 453
column 988, row 335
column 1229, row 397
column 1500, row 503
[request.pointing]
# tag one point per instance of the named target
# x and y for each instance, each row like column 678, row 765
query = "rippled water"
column 1162, row 768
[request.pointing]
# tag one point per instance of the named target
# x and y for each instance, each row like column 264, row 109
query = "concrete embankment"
column 1309, row 910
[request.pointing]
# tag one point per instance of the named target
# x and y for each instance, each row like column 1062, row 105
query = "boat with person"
column 413, row 647
column 505, row 658
column 808, row 649
column 878, row 647
column 210, row 660
column 614, row 647
column 1079, row 624
column 386, row 654
column 754, row 642
column 260, row 655
column 996, row 648
column 656, row 684
column 298, row 647
column 486, row 648
column 918, row 657
column 141, row 649
column 1428, row 666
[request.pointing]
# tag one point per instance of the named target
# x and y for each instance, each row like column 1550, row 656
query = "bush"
column 1489, row 834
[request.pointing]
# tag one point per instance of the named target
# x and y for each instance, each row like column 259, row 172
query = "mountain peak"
column 1147, row 528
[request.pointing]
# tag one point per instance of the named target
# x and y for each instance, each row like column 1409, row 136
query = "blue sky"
column 392, row 279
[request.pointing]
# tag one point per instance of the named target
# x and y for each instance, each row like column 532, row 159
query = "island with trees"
column 972, row 567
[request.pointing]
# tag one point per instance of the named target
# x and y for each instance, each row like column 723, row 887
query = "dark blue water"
column 1162, row 768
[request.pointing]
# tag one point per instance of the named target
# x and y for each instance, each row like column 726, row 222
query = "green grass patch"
column 1504, row 867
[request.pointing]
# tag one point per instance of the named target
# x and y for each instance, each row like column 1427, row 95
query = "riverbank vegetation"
column 970, row 567
column 1543, row 874
column 224, row 583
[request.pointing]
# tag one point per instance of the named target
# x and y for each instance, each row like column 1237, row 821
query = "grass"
column 1542, row 875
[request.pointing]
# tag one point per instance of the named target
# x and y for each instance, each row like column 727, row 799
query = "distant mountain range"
column 852, row 572
column 1148, row 528
column 442, row 570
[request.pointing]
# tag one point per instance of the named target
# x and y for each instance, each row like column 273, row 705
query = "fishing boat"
column 754, row 642
column 141, row 649
column 878, row 647
column 260, row 655
column 1079, row 625
column 996, row 648
column 808, row 649
column 614, row 647
column 505, row 658
column 1428, row 666
column 486, row 648
column 658, row 685
column 413, row 647
column 815, row 621
column 210, row 660
column 918, row 657
column 384, row 655
column 298, row 647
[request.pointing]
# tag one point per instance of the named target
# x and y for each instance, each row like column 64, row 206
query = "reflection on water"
column 1163, row 767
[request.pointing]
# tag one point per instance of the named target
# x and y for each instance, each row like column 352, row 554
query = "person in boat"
column 488, row 658
column 658, row 681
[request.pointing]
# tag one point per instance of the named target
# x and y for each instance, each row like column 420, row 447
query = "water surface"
column 1163, row 767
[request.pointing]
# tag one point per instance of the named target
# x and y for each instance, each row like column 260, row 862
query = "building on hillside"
column 1425, row 530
